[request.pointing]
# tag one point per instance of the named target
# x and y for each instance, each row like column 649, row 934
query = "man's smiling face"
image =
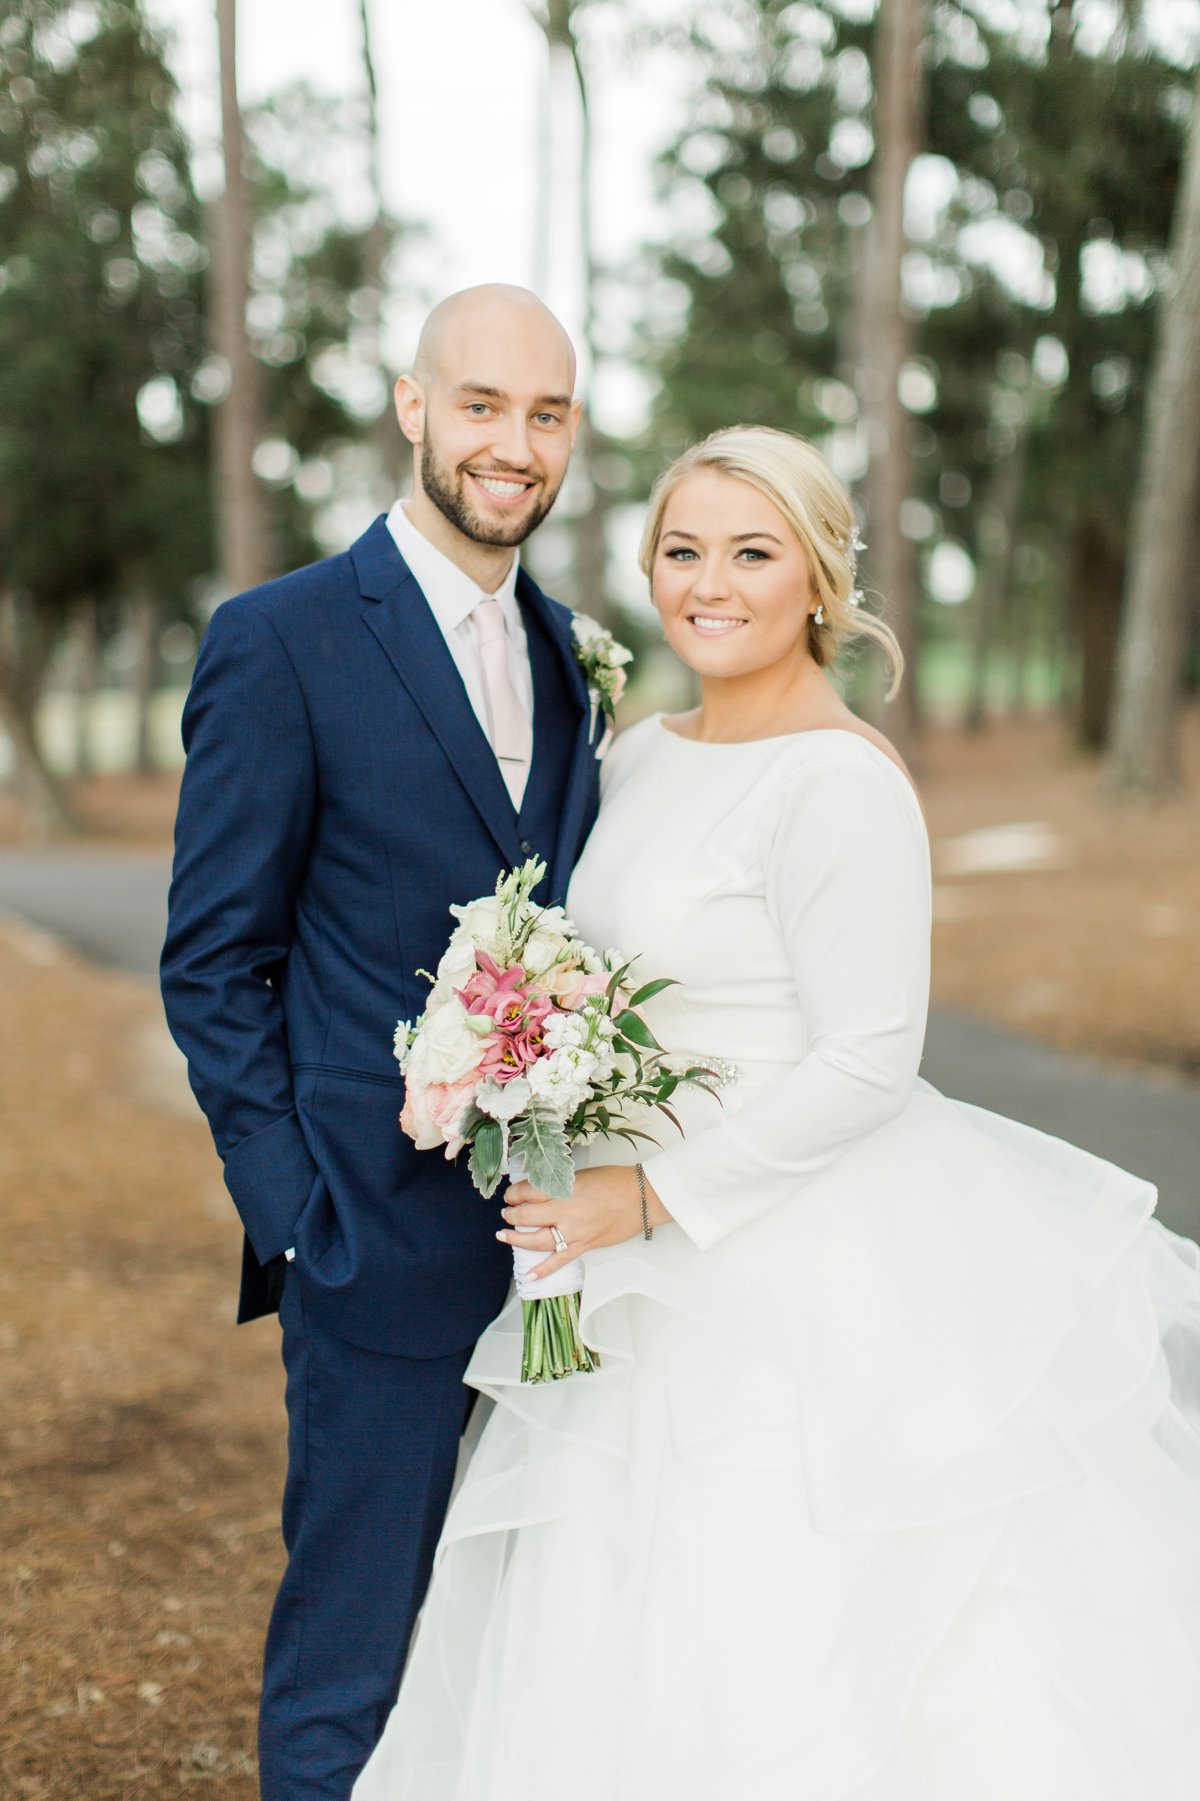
column 492, row 415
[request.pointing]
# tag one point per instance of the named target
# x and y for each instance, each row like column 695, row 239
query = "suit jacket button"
column 527, row 848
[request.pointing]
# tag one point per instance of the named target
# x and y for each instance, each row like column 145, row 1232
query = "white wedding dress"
column 889, row 1485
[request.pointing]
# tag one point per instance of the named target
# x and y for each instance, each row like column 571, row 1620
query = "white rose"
column 585, row 630
column 541, row 951
column 457, row 965
column 555, row 920
column 480, row 919
column 447, row 1050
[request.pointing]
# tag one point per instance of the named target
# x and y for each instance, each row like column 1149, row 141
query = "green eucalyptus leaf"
column 540, row 1140
column 487, row 1157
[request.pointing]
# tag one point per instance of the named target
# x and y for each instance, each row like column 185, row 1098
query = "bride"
column 889, row 1485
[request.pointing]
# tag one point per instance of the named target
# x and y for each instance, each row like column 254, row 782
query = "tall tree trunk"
column 86, row 644
column 387, row 432
column 886, row 336
column 1096, row 585
column 242, row 533
column 145, row 680
column 559, row 21
column 1162, row 570
column 25, row 645
column 591, row 538
column 999, row 521
column 1022, row 650
column 544, row 198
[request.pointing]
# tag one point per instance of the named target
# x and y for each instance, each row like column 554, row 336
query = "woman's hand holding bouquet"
column 531, row 1042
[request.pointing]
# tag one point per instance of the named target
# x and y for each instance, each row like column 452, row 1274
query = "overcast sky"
column 461, row 91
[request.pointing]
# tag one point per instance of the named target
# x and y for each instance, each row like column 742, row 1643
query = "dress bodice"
column 784, row 884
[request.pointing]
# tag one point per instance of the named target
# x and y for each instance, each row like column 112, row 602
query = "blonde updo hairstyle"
column 795, row 477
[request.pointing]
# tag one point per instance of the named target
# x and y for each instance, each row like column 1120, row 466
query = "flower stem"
column 552, row 1347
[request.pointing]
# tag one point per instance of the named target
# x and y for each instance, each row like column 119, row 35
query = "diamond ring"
column 560, row 1243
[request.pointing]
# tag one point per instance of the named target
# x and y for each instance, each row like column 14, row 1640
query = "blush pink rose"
column 433, row 1114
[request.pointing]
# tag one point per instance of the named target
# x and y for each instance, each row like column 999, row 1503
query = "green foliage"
column 540, row 1141
column 316, row 309
column 487, row 1157
column 753, row 307
column 101, row 257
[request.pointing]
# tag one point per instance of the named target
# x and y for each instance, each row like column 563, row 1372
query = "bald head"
column 490, row 411
column 460, row 326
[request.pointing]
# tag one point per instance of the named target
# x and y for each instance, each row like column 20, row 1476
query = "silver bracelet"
column 647, row 1228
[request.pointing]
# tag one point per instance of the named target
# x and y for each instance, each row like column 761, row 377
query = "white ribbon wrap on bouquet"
column 567, row 1280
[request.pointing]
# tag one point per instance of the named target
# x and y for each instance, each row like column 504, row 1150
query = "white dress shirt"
column 452, row 597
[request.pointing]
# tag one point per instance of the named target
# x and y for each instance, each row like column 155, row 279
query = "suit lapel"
column 582, row 774
column 399, row 617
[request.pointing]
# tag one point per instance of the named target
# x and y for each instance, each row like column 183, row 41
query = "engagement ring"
column 560, row 1243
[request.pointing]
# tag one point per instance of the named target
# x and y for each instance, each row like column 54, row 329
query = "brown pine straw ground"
column 141, row 1448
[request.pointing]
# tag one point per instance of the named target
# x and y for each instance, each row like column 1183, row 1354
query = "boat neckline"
column 812, row 731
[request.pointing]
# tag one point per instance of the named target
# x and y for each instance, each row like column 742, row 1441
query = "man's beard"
column 447, row 490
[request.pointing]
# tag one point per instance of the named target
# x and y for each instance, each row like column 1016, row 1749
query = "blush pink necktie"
column 511, row 733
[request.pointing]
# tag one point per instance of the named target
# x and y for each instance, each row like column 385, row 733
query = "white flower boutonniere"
column 603, row 662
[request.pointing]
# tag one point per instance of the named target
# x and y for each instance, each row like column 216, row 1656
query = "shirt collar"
column 451, row 593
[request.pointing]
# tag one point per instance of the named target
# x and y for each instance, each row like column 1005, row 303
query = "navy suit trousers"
column 372, row 1445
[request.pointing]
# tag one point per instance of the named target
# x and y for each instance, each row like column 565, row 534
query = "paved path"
column 112, row 906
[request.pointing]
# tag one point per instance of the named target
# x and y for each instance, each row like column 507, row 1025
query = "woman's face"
column 730, row 580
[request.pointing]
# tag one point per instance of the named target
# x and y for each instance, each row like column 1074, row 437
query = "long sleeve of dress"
column 846, row 865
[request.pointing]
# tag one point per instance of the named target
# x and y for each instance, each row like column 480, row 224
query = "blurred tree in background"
column 108, row 374
column 937, row 236
column 244, row 547
column 1162, row 583
column 1038, row 219
column 317, row 287
column 103, row 465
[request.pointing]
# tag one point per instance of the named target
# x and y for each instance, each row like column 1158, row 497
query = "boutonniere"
column 603, row 662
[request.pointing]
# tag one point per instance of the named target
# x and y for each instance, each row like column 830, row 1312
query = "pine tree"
column 102, row 453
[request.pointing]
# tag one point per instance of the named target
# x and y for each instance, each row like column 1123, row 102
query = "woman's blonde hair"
column 794, row 475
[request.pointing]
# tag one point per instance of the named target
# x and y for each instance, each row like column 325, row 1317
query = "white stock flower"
column 565, row 1029
column 446, row 1049
column 561, row 1081
column 400, row 1043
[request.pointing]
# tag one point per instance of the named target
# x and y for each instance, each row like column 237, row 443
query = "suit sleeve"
column 245, row 818
column 848, row 891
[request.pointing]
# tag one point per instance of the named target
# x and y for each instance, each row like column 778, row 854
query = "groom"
column 370, row 739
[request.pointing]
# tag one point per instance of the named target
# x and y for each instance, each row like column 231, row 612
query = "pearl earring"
column 819, row 615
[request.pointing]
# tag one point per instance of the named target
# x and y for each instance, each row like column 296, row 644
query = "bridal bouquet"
column 531, row 1042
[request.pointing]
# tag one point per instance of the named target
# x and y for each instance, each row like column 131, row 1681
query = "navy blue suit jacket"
column 339, row 794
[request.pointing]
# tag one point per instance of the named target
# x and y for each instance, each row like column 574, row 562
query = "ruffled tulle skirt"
column 894, row 1494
